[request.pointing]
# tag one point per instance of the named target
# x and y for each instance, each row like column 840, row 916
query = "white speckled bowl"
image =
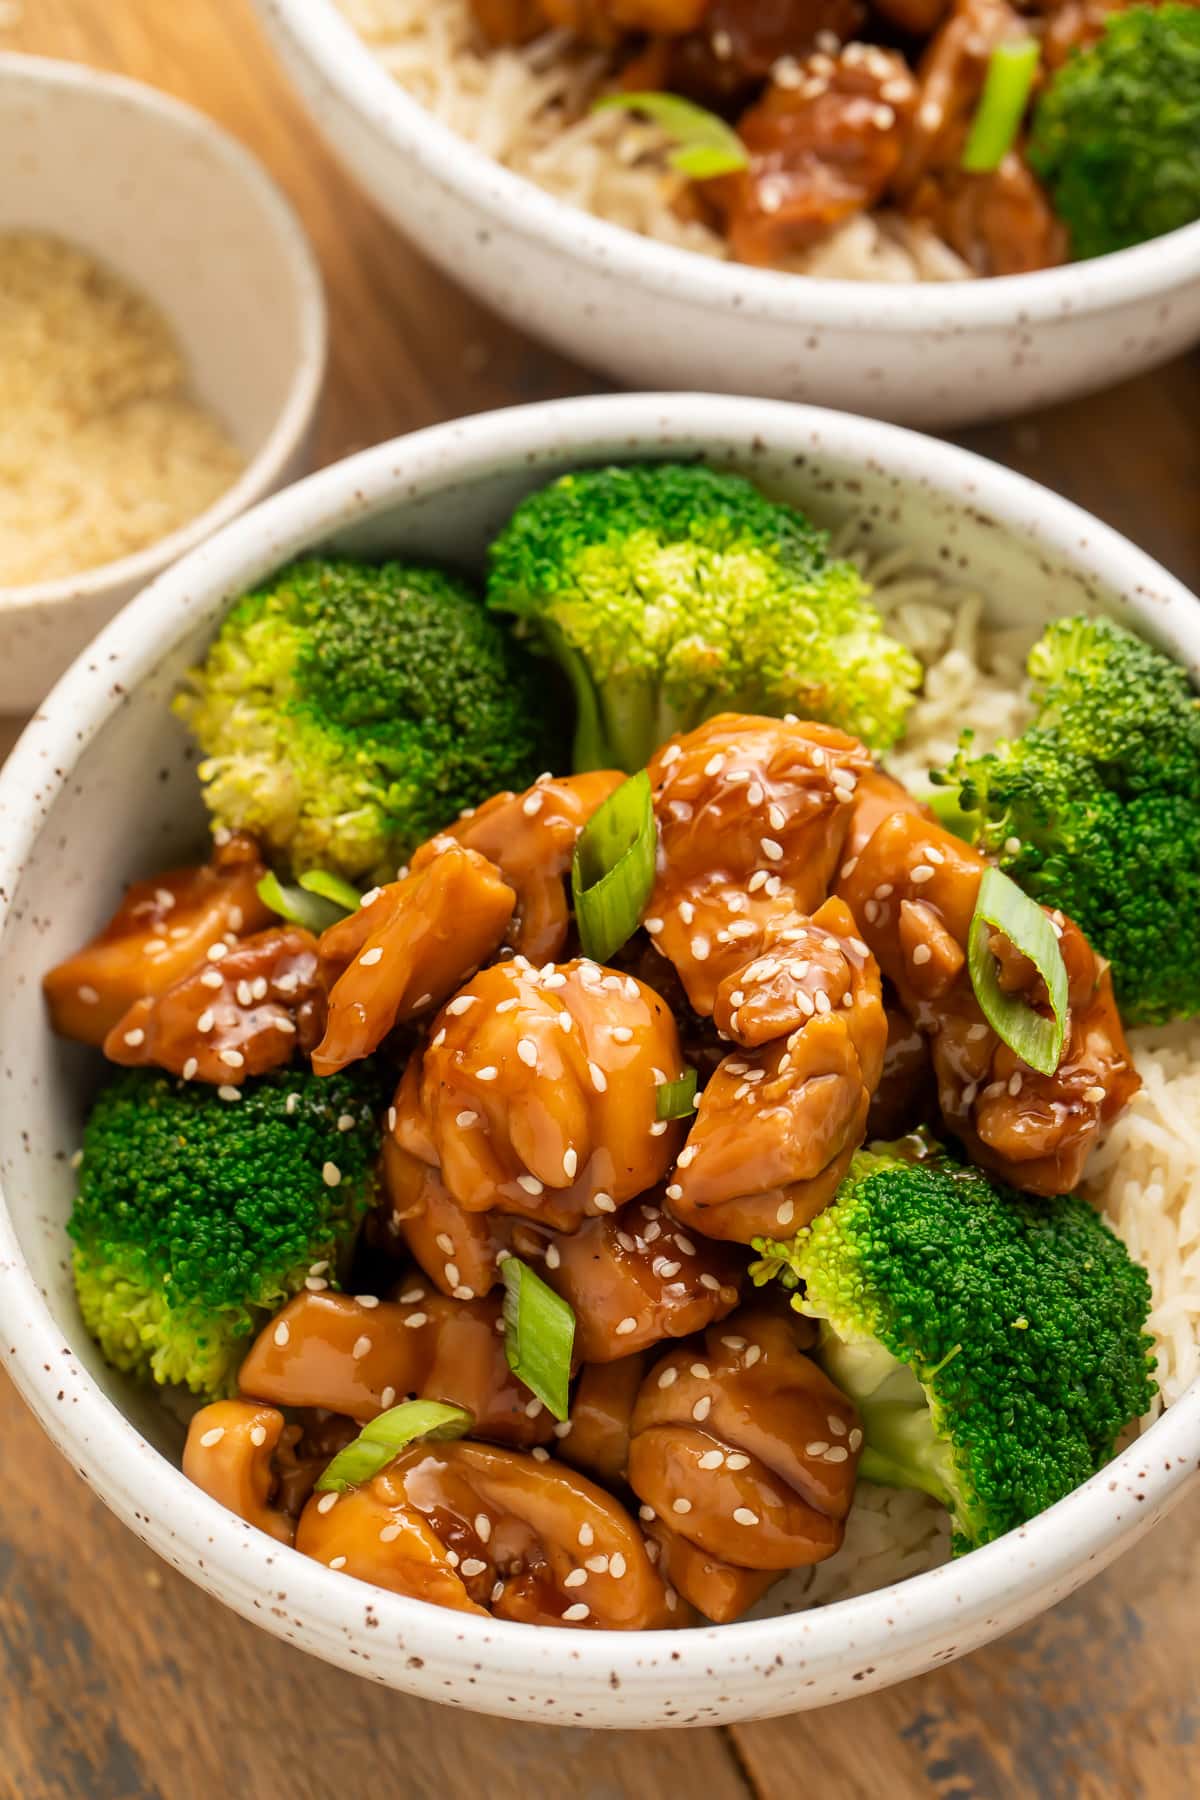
column 649, row 314
column 161, row 194
column 100, row 788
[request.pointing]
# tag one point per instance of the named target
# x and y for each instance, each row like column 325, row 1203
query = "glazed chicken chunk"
column 752, row 816
column 747, row 1452
column 531, row 837
column 778, row 1124
column 913, row 892
column 824, row 142
column 409, row 946
column 633, row 1279
column 537, row 1092
column 161, row 930
column 359, row 1356
column 595, row 1439
column 480, row 1528
column 233, row 1015
column 230, row 1451
column 455, row 1248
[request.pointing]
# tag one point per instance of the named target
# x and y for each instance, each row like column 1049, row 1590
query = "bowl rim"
column 293, row 419
column 985, row 1593
column 349, row 71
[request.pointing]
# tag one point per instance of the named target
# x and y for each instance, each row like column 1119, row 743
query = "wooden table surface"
column 120, row 1681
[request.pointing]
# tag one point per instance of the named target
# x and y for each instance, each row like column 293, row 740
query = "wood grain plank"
column 121, row 1681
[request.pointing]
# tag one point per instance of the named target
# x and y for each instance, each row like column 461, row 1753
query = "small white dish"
column 649, row 314
column 102, row 787
column 178, row 207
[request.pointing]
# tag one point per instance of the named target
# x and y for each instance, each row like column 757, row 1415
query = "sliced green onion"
column 303, row 905
column 331, row 887
column 1002, row 906
column 1010, row 72
column 676, row 1099
column 612, row 871
column 385, row 1437
column 539, row 1332
column 706, row 145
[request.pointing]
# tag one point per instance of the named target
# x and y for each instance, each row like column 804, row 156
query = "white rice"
column 529, row 109
column 1145, row 1175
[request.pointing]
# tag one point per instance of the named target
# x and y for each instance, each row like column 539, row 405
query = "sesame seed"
column 743, row 1516
column 684, row 1243
column 228, row 1093
column 856, row 1438
column 243, row 992
column 438, row 1039
column 625, row 1326
column 653, row 926
column 337, row 1562
column 921, row 954
column 599, row 1078
column 921, row 873
column 616, row 1565
column 687, row 911
column 497, row 1591
column 327, row 1502
column 776, row 817
column 316, row 1284
column 533, row 1408
column 189, row 1068
column 838, row 1454
column 1015, row 1084
column 659, row 1127
column 528, row 1052
column 586, row 1534
column 463, row 1004
column 369, row 958
column 293, row 1101
column 472, row 1566
column 817, row 1448
column 674, row 1192
column 206, row 1021
column 465, row 1119
column 754, row 793
column 217, row 952
column 668, row 1378
column 577, row 1577
column 388, row 1398
column 331, row 1175
column 1012, row 846
column 1094, row 1095
column 213, row 1437
column 410, row 1296
column 576, row 1612
column 531, row 806
column 452, row 1558
column 736, row 1460
column 681, row 1506
column 604, row 1203
column 671, row 754
column 487, row 1074
column 570, row 1163
column 712, row 1459
column 836, row 1425
column 483, row 1528
column 752, row 1356
column 702, row 1408
column 452, row 1275
column 772, row 850
column 282, row 1333
column 415, row 1319
column 701, row 1371
column 710, row 1282
column 233, row 1059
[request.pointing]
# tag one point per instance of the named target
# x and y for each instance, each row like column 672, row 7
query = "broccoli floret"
column 670, row 593
column 347, row 710
column 196, row 1215
column 1096, row 808
column 1116, row 133
column 993, row 1342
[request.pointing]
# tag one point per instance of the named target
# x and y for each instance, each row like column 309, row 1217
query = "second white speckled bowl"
column 649, row 314
column 102, row 788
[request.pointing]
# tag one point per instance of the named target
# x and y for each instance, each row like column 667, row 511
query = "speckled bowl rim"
column 350, row 70
column 294, row 417
column 852, row 1640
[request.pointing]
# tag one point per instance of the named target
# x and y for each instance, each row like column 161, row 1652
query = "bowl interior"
column 133, row 804
column 153, row 190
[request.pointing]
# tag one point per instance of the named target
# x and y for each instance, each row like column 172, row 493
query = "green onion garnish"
column 706, row 145
column 1010, row 72
column 676, row 1099
column 314, row 908
column 331, row 887
column 1002, row 906
column 612, row 872
column 539, row 1331
column 385, row 1437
